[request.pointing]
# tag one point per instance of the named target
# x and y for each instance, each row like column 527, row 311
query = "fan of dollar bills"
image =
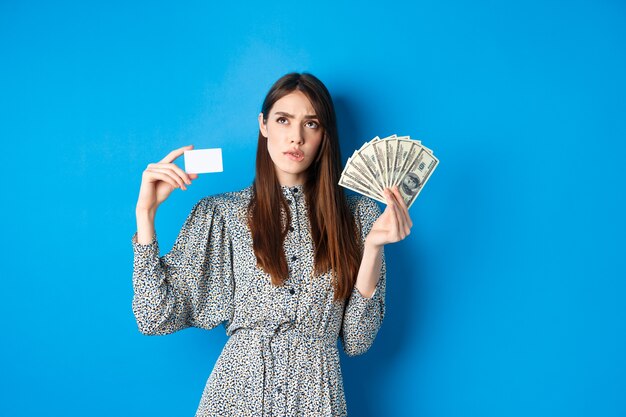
column 384, row 163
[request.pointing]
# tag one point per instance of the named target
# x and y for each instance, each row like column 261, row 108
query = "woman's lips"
column 297, row 156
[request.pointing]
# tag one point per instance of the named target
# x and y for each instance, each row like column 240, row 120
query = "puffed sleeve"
column 192, row 285
column 363, row 316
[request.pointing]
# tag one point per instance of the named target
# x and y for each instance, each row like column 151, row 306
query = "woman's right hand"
column 160, row 179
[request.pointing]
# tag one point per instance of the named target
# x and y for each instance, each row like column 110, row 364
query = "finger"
column 405, row 228
column 171, row 175
column 193, row 176
column 176, row 153
column 389, row 206
column 401, row 223
column 400, row 210
column 388, row 197
column 394, row 213
column 162, row 177
column 176, row 168
column 396, row 192
column 386, row 213
column 405, row 209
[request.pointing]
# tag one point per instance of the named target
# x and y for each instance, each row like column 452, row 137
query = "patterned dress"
column 281, row 358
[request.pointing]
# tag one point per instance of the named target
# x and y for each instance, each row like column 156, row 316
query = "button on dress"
column 281, row 357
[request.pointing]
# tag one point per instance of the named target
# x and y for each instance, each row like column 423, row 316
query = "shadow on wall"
column 365, row 375
column 481, row 211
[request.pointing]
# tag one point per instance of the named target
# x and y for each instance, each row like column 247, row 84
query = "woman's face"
column 293, row 135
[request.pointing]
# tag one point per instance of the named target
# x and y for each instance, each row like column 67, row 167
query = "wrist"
column 372, row 246
column 145, row 226
column 145, row 214
column 145, row 211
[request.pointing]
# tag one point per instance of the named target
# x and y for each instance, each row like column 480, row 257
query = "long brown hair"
column 335, row 238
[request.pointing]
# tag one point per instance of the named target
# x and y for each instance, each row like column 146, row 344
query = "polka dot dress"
column 281, row 358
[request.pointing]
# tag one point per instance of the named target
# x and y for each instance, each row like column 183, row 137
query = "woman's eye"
column 312, row 124
column 281, row 120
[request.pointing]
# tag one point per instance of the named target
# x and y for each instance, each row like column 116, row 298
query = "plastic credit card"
column 202, row 161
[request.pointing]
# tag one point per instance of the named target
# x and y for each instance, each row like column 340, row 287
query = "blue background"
column 506, row 300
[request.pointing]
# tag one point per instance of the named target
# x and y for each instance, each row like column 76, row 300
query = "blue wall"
column 507, row 299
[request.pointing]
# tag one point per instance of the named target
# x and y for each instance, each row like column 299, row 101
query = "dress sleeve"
column 363, row 316
column 192, row 285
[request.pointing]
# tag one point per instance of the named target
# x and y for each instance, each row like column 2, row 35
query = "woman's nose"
column 297, row 137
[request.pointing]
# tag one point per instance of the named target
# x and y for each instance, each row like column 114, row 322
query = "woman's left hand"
column 394, row 224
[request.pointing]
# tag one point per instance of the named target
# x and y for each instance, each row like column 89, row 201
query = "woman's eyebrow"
column 291, row 116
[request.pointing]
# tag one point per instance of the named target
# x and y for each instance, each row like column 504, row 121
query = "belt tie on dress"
column 266, row 335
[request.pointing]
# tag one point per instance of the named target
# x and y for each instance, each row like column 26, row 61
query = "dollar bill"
column 351, row 185
column 386, row 162
column 357, row 167
column 400, row 154
column 380, row 149
column 357, row 170
column 368, row 156
column 391, row 146
column 410, row 150
column 414, row 179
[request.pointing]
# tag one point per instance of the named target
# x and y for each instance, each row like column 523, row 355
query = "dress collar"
column 292, row 191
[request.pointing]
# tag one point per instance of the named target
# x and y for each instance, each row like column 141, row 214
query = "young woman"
column 288, row 264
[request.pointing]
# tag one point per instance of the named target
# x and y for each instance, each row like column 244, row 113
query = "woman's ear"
column 262, row 125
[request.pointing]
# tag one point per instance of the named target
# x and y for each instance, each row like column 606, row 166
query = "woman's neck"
column 291, row 180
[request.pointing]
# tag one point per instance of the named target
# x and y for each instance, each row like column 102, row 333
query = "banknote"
column 388, row 162
column 351, row 178
column 367, row 155
column 391, row 146
column 359, row 167
column 414, row 178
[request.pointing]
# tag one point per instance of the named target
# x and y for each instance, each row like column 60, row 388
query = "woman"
column 288, row 264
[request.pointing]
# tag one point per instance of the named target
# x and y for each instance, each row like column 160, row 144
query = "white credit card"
column 201, row 161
